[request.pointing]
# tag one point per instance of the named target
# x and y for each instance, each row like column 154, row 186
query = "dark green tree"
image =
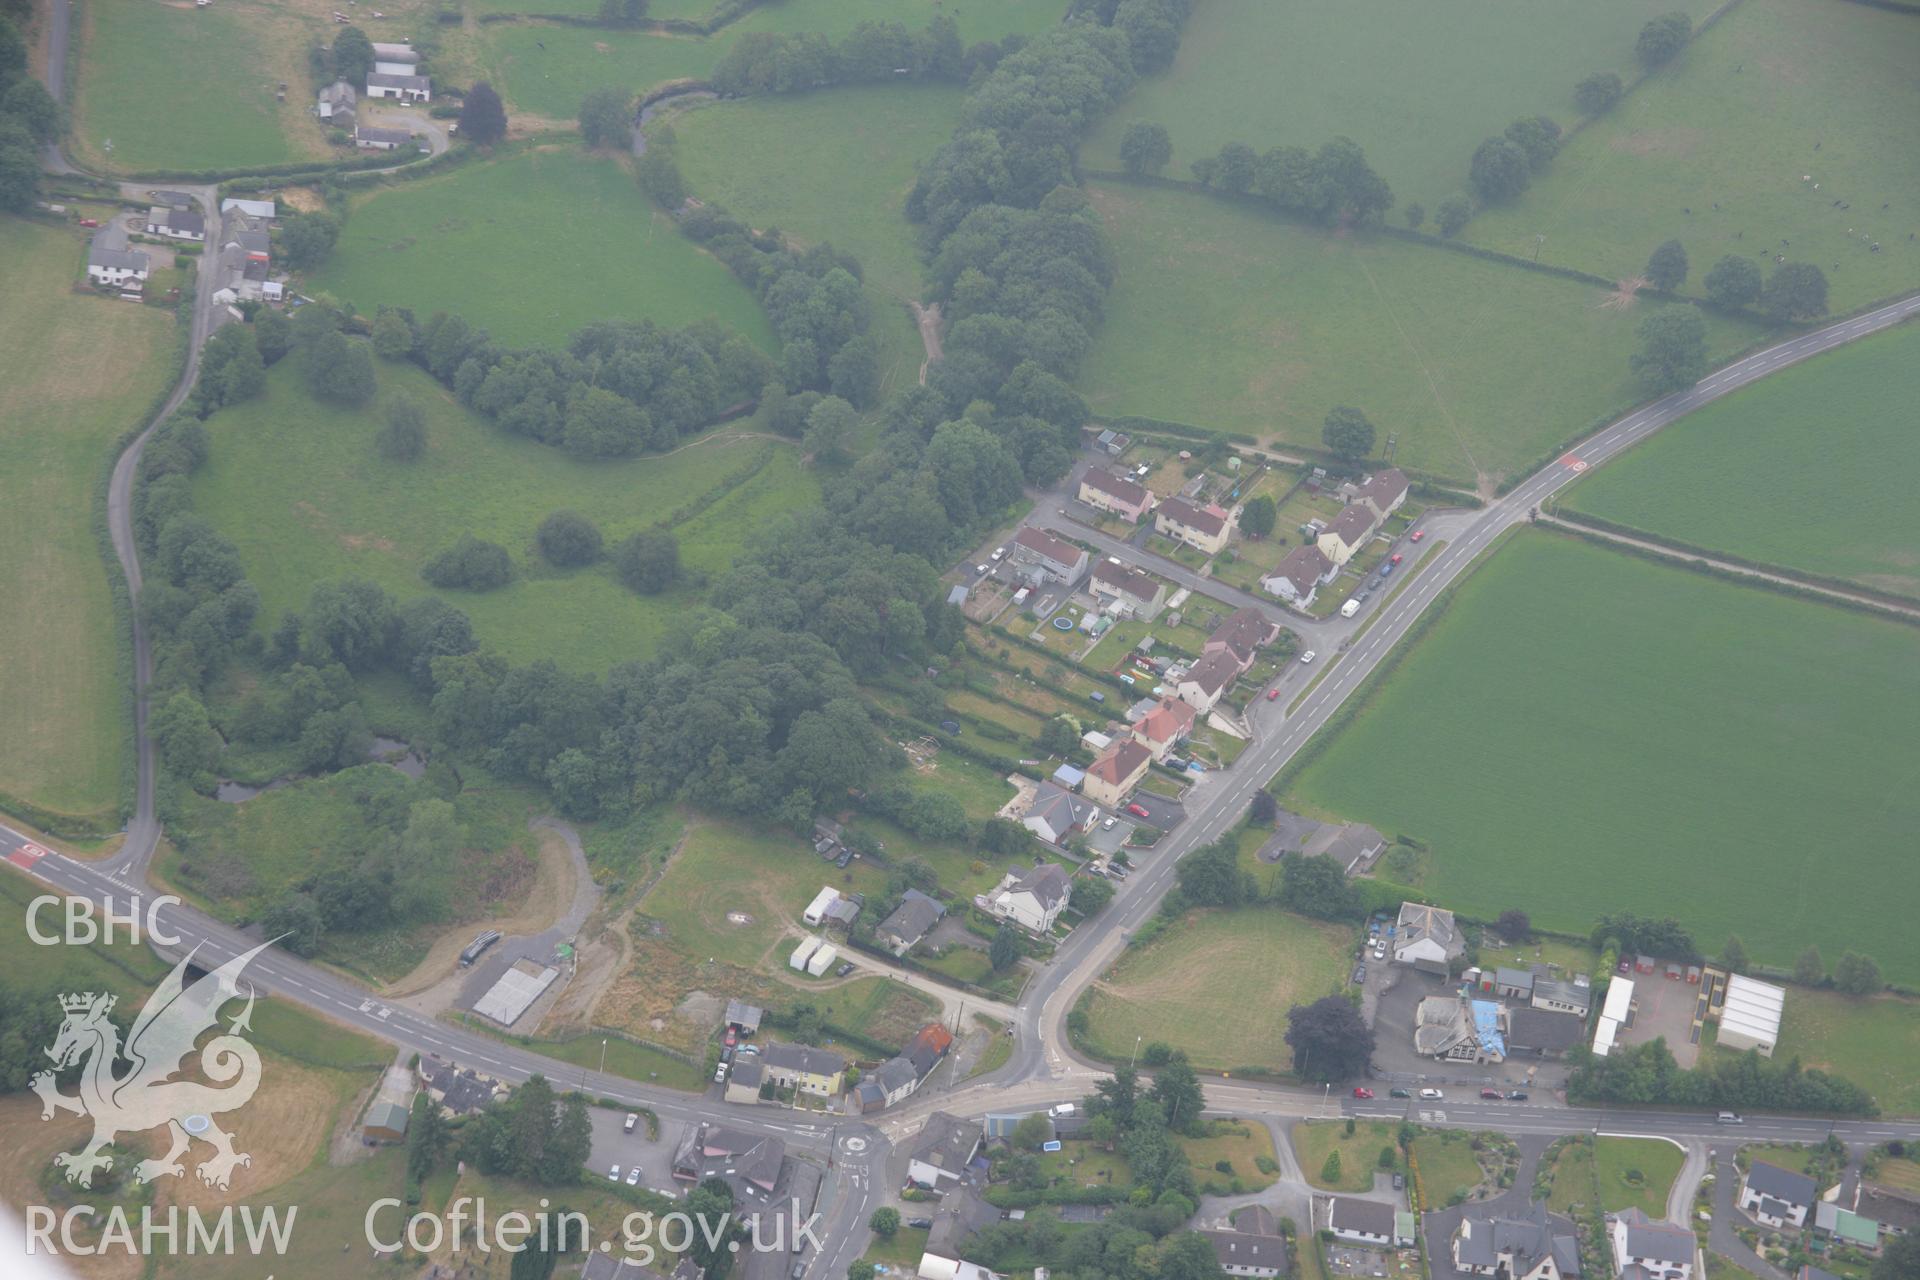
column 601, row 424
column 404, row 436
column 27, row 103
column 649, row 561
column 622, row 13
column 1177, row 1090
column 352, row 55
column 1416, row 215
column 1857, row 975
column 340, row 371
column 885, row 1222
column 830, row 428
column 1257, row 516
column 1667, row 267
column 1237, row 168
column 568, row 539
column 1662, row 38
column 294, row 920
column 307, row 239
column 1734, row 954
column 606, row 116
column 483, row 119
column 1005, row 950
column 1538, row 137
column 1454, row 213
column 1145, row 148
column 1810, row 970
column 1318, row 886
column 1795, row 291
column 470, row 564
column 1733, row 281
column 1499, row 170
column 1033, row 1130
column 1347, row 433
column 429, row 1141
column 1673, row 350
column 392, row 335
column 1899, row 1260
column 1597, row 94
column 184, row 737
column 1264, row 810
column 1211, row 876
column 272, row 334
column 1329, row 1039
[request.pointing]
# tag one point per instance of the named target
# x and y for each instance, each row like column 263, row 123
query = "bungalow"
column 909, row 922
column 1108, row 491
column 115, row 268
column 1207, row 679
column 1427, row 939
column 1032, row 899
column 1300, row 576
column 801, row 1067
column 1647, row 1250
column 335, row 106
column 1574, row 997
column 1243, row 635
column 1351, row 530
column 1164, row 727
column 942, row 1152
column 1537, row 1033
column 176, row 224
column 1057, row 815
column 1203, row 528
column 1354, row 845
column 1137, row 591
column 1382, row 493
column 1055, row 558
column 404, row 88
column 369, row 138
column 1529, row 1245
column 1363, row 1222
column 1244, row 1253
column 1116, row 773
column 1777, row 1197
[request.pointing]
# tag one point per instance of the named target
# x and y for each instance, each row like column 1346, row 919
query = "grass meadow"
column 531, row 248
column 1775, row 97
column 1417, row 86
column 299, row 488
column 1872, row 1042
column 1226, row 317
column 1314, row 1141
column 1606, row 1168
column 1589, row 732
column 1812, row 471
column 145, row 80
column 83, row 370
column 1187, row 983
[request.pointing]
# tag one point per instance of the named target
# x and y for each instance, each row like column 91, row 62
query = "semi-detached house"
column 1207, row 680
column 1242, row 636
column 1139, row 592
column 1105, row 490
column 1164, row 727
column 1055, row 558
column 1351, row 530
column 1383, row 492
column 1203, row 528
column 1117, row 771
column 1299, row 577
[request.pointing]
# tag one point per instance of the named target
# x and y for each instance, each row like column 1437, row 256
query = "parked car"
column 89, row 222
column 1730, row 1117
column 613, row 1174
column 1361, row 1091
column 1118, row 873
column 731, row 1038
column 1138, row 811
column 1399, row 1181
column 1108, row 824
column 999, row 552
column 920, row 1224
column 633, row 1176
column 720, row 1074
column 1272, row 694
column 846, row 856
column 981, row 569
column 1307, row 656
column 1386, row 570
column 843, row 970
column 1396, row 558
column 1359, row 974
column 1399, row 1093
column 1431, row 1095
column 1490, row 1095
column 632, row 1120
column 1417, row 535
column 1516, row 1095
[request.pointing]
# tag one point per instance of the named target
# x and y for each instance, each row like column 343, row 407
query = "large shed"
column 1750, row 1018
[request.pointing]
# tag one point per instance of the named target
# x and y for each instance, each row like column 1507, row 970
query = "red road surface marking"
column 1573, row 464
column 26, row 855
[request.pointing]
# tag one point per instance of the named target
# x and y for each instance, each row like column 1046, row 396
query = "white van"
column 1729, row 1117
column 1350, row 608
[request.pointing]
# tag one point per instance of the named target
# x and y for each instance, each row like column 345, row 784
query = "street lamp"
column 603, row 1057
column 1136, row 1052
column 1326, row 1097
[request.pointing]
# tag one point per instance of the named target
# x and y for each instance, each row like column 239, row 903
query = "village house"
column 1245, row 1253
column 1455, row 1028
column 459, row 1092
column 177, row 224
column 403, row 88
column 744, row 1080
column 1351, row 530
column 1299, row 577
column 1382, row 493
column 1243, row 635
column 1203, row 528
column 1054, row 558
column 115, row 268
column 1032, row 899
column 804, row 1068
column 1647, row 1250
column 748, row 1163
column 1116, row 773
column 1427, row 939
column 1057, row 815
column 1354, row 845
column 1105, row 490
column 961, row 1215
column 1777, row 1197
column 1207, row 679
column 909, row 922
column 1897, row 1212
column 1164, row 727
column 1140, row 593
column 1530, row 1245
column 369, row 138
column 897, row 1077
column 335, row 105
column 1362, row 1222
column 940, row 1155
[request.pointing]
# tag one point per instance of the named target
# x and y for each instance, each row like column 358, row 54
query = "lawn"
column 1901, row 1173
column 735, row 892
column 1184, row 985
column 1449, row 1166
column 1644, row 738
column 144, row 82
column 1872, row 1042
column 1812, row 471
column 1607, row 1167
column 1242, row 1144
column 83, row 370
column 1231, row 319
column 1300, row 73
column 531, row 248
column 1315, row 1140
column 1777, row 96
column 879, row 1009
column 298, row 487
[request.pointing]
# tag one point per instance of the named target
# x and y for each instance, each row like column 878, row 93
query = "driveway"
column 415, row 120
column 1438, row 1225
column 1720, row 1236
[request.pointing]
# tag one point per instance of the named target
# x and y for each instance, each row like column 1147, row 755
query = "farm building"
column 1750, row 1017
column 115, row 267
column 369, row 138
column 404, row 88
column 335, row 106
column 1613, row 1015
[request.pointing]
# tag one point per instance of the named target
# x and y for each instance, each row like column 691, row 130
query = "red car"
column 1417, row 535
column 1396, row 557
column 1138, row 810
column 1272, row 694
column 1491, row 1095
column 89, row 222
column 1360, row 1092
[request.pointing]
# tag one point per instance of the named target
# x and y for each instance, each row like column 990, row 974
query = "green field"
column 298, row 487
column 1811, row 471
column 1184, row 985
column 1225, row 317
column 144, row 86
column 1597, row 733
column 1872, row 1042
column 1315, row 1140
column 1606, row 1168
column 531, row 248
column 1299, row 73
column 1736, row 122
column 1449, row 1166
column 83, row 371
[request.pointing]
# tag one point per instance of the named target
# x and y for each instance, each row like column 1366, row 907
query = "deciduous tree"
column 606, row 117
column 1734, row 281
column 568, row 539
column 1662, row 38
column 1667, row 266
column 649, row 561
column 483, row 119
column 1810, row 970
column 1454, row 213
column 1795, row 291
column 1347, row 433
column 1857, row 975
column 1597, row 94
column 1673, row 350
column 404, row 436
column 1145, row 148
column 1256, row 516
column 1329, row 1039
column 1499, row 170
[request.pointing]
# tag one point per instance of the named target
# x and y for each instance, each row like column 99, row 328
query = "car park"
column 1361, row 1091
column 1431, row 1095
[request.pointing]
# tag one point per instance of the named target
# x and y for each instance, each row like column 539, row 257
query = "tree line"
column 791, row 62
column 1647, row 1073
column 30, row 118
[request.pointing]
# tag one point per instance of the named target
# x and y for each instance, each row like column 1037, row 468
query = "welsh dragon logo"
column 147, row 1097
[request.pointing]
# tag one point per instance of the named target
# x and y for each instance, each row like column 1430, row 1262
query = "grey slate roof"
column 747, row 1071
column 1657, row 1240
column 947, row 1142
column 1782, row 1184
column 1544, row 1030
column 744, row 1016
column 387, row 80
column 1048, row 884
column 392, row 137
column 961, row 1214
column 1367, row 1217
column 804, row 1058
column 1245, row 1249
column 909, row 922
column 1528, row 1237
column 1889, row 1207
column 117, row 259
